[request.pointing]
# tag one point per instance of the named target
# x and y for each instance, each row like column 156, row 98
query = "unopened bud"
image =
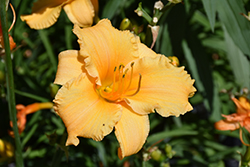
column 125, row 24
column 156, row 155
column 174, row 60
column 158, row 5
column 53, row 89
column 168, row 148
column 139, row 12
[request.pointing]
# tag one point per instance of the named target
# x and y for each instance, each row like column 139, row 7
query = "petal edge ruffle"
column 164, row 88
column 44, row 14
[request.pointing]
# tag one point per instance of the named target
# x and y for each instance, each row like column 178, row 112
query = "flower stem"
column 245, row 161
column 10, row 83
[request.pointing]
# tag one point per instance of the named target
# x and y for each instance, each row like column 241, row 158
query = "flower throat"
column 120, row 84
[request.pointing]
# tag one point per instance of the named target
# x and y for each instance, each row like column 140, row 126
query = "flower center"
column 120, row 84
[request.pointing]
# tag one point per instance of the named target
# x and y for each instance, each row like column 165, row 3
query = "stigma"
column 121, row 82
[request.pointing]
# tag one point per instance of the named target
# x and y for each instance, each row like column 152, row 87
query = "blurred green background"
column 209, row 37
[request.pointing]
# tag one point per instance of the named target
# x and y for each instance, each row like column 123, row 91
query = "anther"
column 132, row 64
column 121, row 66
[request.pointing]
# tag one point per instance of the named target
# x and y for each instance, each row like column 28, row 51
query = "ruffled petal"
column 80, row 12
column 70, row 65
column 163, row 88
column 44, row 13
column 224, row 125
column 83, row 112
column 105, row 48
column 131, row 132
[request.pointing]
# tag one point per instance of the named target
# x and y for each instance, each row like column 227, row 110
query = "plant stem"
column 10, row 83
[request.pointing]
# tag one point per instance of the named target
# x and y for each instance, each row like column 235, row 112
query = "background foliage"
column 209, row 37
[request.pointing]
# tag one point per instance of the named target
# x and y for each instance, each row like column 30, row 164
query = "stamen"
column 117, row 89
column 138, row 88
column 131, row 75
column 120, row 71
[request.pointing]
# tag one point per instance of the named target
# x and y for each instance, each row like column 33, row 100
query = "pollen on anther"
column 132, row 64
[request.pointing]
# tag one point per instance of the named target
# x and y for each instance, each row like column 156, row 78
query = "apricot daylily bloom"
column 46, row 12
column 115, row 81
column 236, row 120
column 23, row 111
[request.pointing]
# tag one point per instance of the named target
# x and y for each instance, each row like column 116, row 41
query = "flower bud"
column 169, row 152
column 125, row 24
column 156, row 155
column 53, row 89
column 174, row 60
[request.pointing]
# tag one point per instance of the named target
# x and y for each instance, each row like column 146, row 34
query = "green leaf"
column 238, row 27
column 210, row 6
column 201, row 72
column 163, row 43
column 238, row 61
column 110, row 8
column 162, row 135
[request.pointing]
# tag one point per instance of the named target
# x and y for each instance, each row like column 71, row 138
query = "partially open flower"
column 22, row 111
column 46, row 12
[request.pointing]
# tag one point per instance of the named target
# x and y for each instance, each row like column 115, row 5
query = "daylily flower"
column 22, row 111
column 46, row 12
column 115, row 81
column 236, row 120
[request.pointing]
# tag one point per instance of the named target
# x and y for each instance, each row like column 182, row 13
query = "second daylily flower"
column 45, row 12
column 115, row 81
column 235, row 120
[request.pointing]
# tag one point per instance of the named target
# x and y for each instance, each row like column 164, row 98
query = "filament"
column 138, row 87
